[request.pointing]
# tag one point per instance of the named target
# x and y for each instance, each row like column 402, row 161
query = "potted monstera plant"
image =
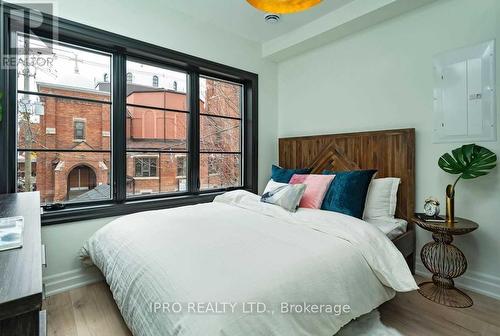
column 468, row 162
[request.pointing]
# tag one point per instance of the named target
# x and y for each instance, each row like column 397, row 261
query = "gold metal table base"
column 445, row 261
column 451, row 297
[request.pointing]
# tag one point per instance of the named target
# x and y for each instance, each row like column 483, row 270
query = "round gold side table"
column 445, row 261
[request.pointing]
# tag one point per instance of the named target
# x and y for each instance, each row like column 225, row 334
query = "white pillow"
column 272, row 185
column 285, row 195
column 381, row 199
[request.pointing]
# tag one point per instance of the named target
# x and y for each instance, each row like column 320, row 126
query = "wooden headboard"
column 391, row 152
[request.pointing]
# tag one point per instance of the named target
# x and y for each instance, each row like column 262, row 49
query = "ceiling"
column 242, row 19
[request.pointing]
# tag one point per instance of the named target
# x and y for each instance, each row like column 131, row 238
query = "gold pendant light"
column 283, row 6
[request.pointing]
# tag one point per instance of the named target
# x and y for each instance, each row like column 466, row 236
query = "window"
column 145, row 166
column 213, row 165
column 93, row 127
column 48, row 158
column 181, row 167
column 157, row 124
column 79, row 129
column 220, row 133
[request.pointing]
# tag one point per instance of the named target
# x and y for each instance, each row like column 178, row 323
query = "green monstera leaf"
column 470, row 161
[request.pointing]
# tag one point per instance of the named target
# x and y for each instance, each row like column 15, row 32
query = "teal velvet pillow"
column 284, row 175
column 347, row 192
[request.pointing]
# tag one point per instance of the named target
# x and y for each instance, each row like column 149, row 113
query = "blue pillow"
column 284, row 175
column 347, row 192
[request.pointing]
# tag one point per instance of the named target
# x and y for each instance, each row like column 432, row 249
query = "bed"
column 391, row 152
column 238, row 266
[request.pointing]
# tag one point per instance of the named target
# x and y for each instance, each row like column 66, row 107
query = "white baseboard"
column 474, row 281
column 66, row 281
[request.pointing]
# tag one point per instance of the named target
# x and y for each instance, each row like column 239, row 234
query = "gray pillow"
column 286, row 196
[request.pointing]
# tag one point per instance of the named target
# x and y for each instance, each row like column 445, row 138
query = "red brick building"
column 76, row 134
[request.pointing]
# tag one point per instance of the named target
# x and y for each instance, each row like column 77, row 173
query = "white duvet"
column 236, row 265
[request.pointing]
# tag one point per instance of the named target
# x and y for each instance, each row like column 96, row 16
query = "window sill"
column 146, row 177
column 119, row 209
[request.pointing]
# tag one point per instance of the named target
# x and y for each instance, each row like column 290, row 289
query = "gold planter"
column 450, row 204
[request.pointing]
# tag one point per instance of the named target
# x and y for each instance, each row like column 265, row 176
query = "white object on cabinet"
column 464, row 94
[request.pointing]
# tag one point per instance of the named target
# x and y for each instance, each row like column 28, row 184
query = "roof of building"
column 99, row 193
column 135, row 88
column 72, row 88
column 103, row 88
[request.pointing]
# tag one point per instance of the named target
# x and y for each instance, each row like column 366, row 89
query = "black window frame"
column 122, row 47
column 151, row 150
column 216, row 156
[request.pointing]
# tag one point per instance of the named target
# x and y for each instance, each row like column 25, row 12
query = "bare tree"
column 25, row 114
column 222, row 134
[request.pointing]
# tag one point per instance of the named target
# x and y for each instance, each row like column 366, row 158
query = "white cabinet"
column 464, row 94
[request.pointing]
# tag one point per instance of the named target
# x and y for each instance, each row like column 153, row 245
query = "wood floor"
column 91, row 311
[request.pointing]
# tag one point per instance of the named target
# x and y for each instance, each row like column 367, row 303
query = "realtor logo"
column 29, row 19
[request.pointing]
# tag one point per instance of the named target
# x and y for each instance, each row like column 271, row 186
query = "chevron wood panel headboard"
column 391, row 152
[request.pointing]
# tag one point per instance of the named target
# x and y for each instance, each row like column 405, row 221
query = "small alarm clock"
column 431, row 207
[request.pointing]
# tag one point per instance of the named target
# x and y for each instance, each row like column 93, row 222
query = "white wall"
column 381, row 78
column 63, row 243
column 153, row 22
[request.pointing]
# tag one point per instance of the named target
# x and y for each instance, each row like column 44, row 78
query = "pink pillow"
column 317, row 186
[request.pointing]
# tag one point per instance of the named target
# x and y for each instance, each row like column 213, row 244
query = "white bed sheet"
column 240, row 250
column 391, row 227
